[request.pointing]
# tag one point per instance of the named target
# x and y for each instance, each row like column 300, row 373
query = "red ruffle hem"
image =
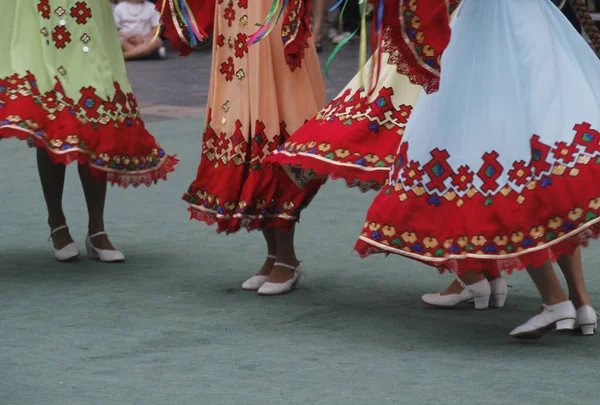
column 460, row 229
column 351, row 139
column 106, row 135
column 268, row 198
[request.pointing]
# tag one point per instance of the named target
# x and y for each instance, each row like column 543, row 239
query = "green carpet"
column 171, row 326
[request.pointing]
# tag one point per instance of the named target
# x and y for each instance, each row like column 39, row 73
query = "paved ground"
column 171, row 325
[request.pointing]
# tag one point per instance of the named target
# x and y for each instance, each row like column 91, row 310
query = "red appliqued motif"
column 90, row 102
column 412, row 173
column 243, row 4
column 520, row 173
column 228, row 69
column 229, row 14
column 61, row 37
column 241, row 45
column 81, row 12
column 220, row 40
column 490, row 171
column 463, row 178
column 564, row 152
column 44, row 9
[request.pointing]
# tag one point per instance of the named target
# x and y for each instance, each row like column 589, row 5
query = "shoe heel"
column 497, row 300
column 588, row 330
column 482, row 302
column 565, row 324
column 91, row 253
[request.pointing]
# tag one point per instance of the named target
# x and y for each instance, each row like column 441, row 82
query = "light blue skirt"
column 498, row 169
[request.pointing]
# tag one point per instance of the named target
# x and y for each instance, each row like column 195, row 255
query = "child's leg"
column 143, row 50
column 286, row 254
column 547, row 284
column 52, row 178
column 95, row 197
column 271, row 239
column 572, row 269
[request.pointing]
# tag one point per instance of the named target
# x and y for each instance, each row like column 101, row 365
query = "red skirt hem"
column 533, row 257
column 231, row 224
column 355, row 176
column 117, row 178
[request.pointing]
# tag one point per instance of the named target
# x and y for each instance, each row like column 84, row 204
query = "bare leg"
column 52, row 178
column 286, row 254
column 319, row 13
column 143, row 50
column 271, row 239
column 547, row 284
column 572, row 269
column 126, row 46
column 95, row 197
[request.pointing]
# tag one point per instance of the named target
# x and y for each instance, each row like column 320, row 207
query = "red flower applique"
column 227, row 69
column 520, row 173
column 241, row 45
column 229, row 14
column 81, row 12
column 565, row 152
column 61, row 37
column 463, row 179
column 44, row 9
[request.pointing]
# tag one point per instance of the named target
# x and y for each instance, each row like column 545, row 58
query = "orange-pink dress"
column 259, row 95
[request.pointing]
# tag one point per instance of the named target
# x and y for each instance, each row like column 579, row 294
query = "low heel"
column 91, row 253
column 565, row 324
column 497, row 300
column 588, row 330
column 482, row 302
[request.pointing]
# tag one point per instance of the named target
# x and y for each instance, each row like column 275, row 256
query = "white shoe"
column 560, row 316
column 106, row 256
column 162, row 53
column 479, row 293
column 69, row 252
column 282, row 288
column 587, row 320
column 499, row 291
column 257, row 281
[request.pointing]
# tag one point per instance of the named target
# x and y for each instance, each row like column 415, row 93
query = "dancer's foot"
column 60, row 236
column 257, row 281
column 100, row 238
column 283, row 279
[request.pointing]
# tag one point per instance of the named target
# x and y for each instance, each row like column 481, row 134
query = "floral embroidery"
column 81, row 12
column 61, row 37
column 44, row 9
column 90, row 108
column 228, row 69
column 442, row 182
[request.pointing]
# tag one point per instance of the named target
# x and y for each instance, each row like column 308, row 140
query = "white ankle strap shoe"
column 478, row 292
column 282, row 288
column 69, row 252
column 559, row 316
column 106, row 256
column 256, row 281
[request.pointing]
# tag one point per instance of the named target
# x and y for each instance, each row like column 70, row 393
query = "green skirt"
column 64, row 87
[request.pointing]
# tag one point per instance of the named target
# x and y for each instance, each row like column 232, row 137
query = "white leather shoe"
column 106, row 256
column 560, row 316
column 69, row 252
column 256, row 281
column 282, row 288
column 587, row 320
column 499, row 291
column 479, row 293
